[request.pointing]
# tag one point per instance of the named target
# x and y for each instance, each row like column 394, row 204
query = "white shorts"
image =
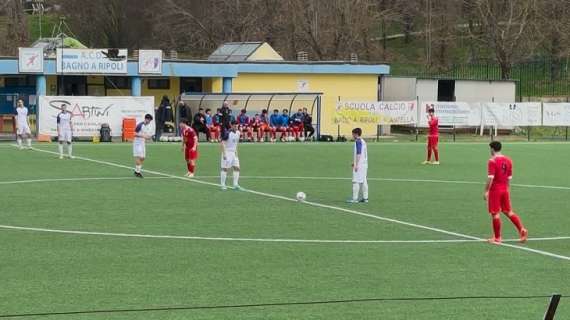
column 23, row 128
column 65, row 136
column 360, row 175
column 231, row 160
column 139, row 149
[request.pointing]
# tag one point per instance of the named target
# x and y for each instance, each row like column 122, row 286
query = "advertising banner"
column 376, row 112
column 91, row 61
column 31, row 60
column 512, row 114
column 452, row 113
column 89, row 113
column 150, row 61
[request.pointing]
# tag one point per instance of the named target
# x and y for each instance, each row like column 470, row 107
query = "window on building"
column 22, row 81
column 117, row 83
column 159, row 83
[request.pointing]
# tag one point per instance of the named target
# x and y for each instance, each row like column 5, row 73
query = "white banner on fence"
column 79, row 61
column 556, row 114
column 376, row 112
column 88, row 113
column 512, row 114
column 452, row 113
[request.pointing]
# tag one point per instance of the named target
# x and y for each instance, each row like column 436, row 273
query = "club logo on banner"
column 79, row 61
column 376, row 112
column 452, row 113
column 512, row 114
column 89, row 113
column 150, row 61
column 31, row 60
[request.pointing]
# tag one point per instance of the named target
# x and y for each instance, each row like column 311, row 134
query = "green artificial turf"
column 169, row 278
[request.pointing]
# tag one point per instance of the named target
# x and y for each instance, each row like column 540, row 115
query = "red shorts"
column 265, row 128
column 499, row 201
column 190, row 155
column 433, row 141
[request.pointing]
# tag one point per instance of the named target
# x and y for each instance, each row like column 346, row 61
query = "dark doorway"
column 190, row 85
column 446, row 90
column 72, row 85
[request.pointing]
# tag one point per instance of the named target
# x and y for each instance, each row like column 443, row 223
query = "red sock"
column 497, row 227
column 516, row 221
column 190, row 167
column 436, row 154
column 429, row 154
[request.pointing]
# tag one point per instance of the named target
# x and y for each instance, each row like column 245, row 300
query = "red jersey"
column 255, row 121
column 433, row 126
column 500, row 168
column 189, row 134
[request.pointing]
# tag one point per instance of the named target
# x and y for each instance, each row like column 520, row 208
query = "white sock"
column 60, row 148
column 355, row 191
column 223, row 176
column 365, row 190
column 29, row 142
column 138, row 168
column 19, row 141
column 236, row 178
column 69, row 149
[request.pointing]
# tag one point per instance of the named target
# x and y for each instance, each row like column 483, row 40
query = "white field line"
column 285, row 178
column 315, row 204
column 234, row 239
column 394, row 180
column 74, row 179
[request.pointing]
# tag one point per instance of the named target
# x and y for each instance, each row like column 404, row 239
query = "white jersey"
column 64, row 121
column 360, row 148
column 232, row 142
column 22, row 116
column 142, row 129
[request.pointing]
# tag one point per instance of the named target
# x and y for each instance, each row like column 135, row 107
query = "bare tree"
column 506, row 26
column 553, row 32
column 16, row 28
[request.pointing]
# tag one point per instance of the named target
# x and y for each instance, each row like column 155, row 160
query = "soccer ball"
column 163, row 139
column 301, row 196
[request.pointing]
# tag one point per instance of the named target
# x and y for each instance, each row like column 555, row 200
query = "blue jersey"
column 275, row 120
column 209, row 120
column 284, row 120
column 243, row 119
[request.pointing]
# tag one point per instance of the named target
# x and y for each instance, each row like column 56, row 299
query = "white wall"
column 398, row 89
column 485, row 91
column 402, row 88
column 426, row 90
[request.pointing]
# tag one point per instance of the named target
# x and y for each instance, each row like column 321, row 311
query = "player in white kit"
column 230, row 160
column 359, row 168
column 142, row 133
column 22, row 125
column 64, row 131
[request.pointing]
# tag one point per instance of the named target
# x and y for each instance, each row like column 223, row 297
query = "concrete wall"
column 426, row 90
column 398, row 88
column 402, row 88
column 485, row 91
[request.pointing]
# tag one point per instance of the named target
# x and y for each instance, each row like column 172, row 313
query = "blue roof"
column 191, row 68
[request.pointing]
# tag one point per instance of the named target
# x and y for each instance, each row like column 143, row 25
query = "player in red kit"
column 189, row 146
column 433, row 137
column 500, row 173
